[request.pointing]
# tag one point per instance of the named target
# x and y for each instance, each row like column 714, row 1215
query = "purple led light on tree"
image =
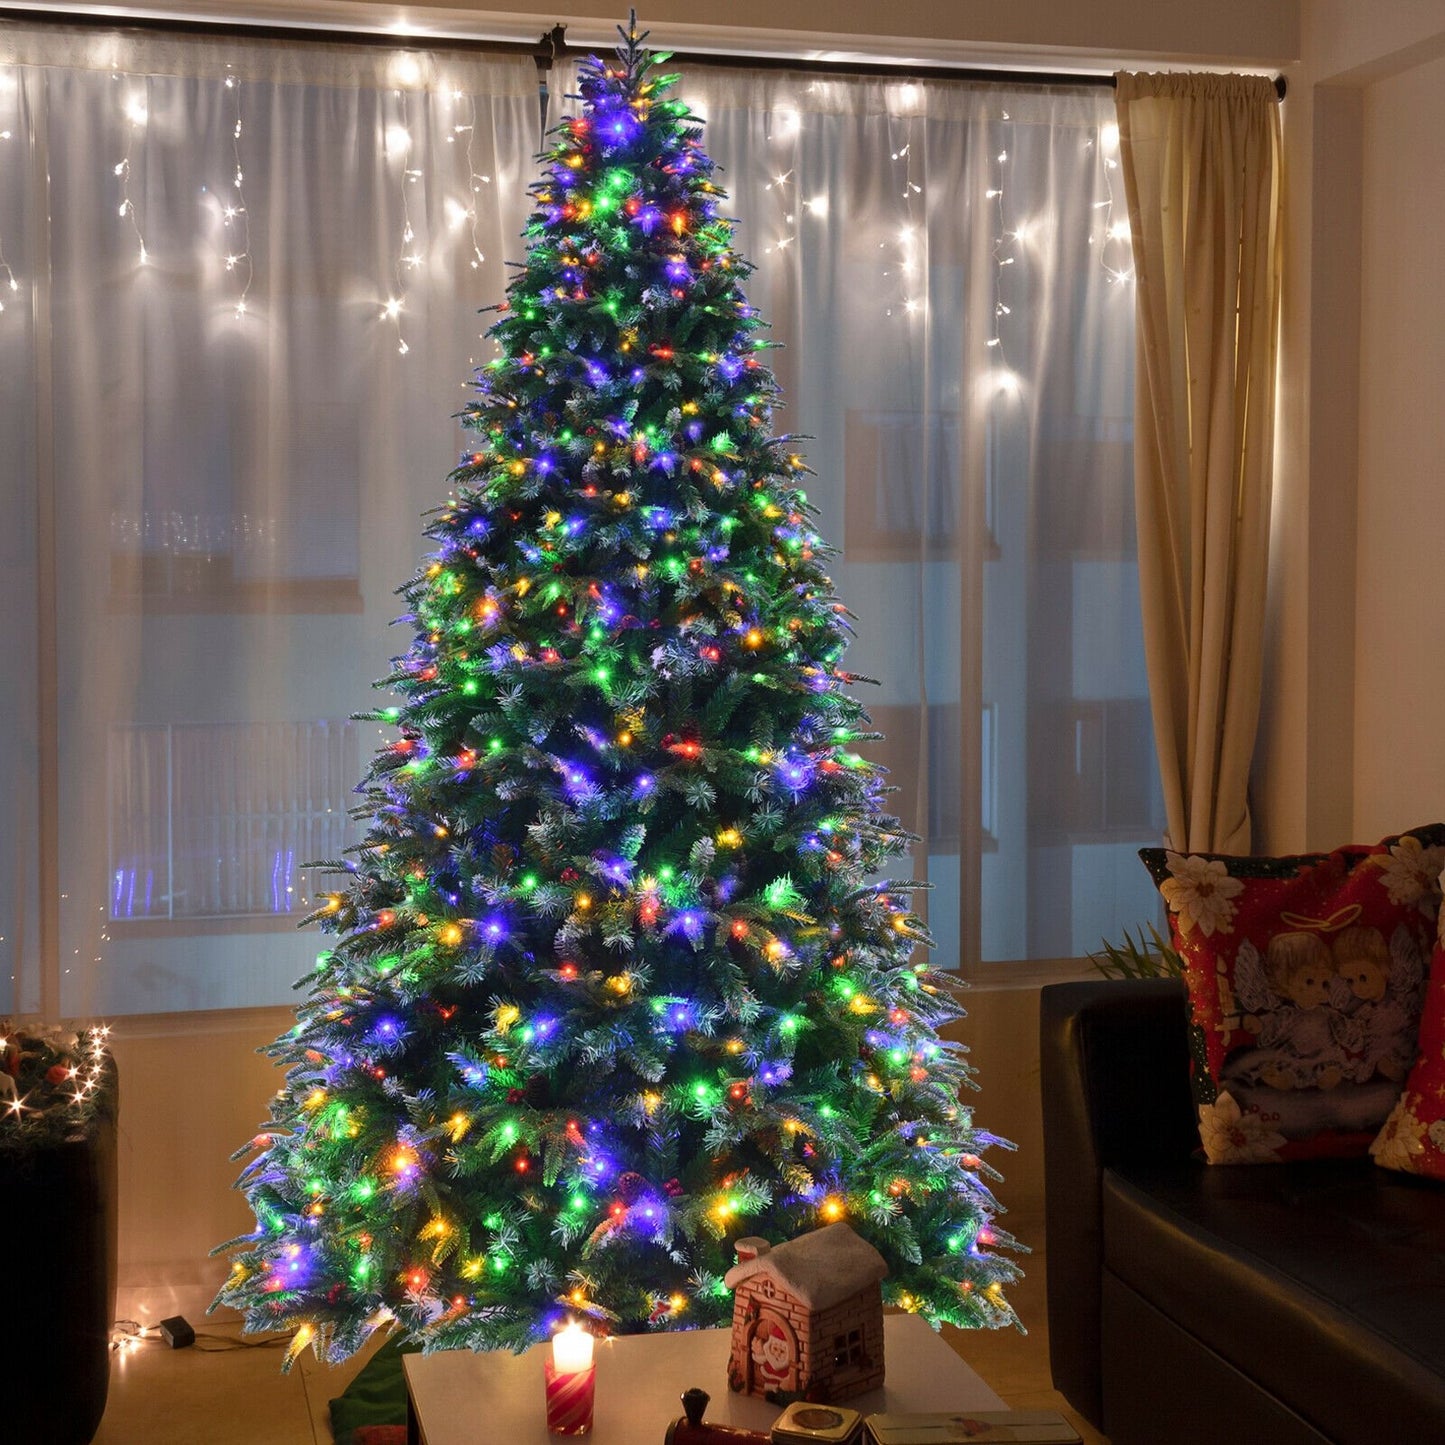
column 618, row 973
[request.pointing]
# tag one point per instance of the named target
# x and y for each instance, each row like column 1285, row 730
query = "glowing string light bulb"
column 136, row 118
column 1004, row 240
column 1113, row 240
column 239, row 260
column 397, row 142
column 7, row 276
column 475, row 181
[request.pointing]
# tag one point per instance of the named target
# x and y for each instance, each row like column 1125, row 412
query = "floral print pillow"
column 1413, row 1139
column 1306, row 979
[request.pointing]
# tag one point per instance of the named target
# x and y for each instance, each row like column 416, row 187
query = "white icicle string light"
column 398, row 139
column 239, row 261
column 475, row 180
column 785, row 127
column 7, row 276
column 136, row 115
column 1005, row 238
column 1114, row 244
column 8, row 281
column 780, row 183
column 911, row 234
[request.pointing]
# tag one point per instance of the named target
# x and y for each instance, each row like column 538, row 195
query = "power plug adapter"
column 176, row 1332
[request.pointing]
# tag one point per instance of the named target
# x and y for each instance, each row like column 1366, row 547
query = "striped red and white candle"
column 571, row 1382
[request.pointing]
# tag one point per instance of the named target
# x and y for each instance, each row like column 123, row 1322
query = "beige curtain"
column 1201, row 162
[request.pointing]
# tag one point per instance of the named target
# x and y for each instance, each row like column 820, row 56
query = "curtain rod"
column 902, row 70
column 553, row 47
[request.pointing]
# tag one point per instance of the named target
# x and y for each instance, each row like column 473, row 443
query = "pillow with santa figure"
column 1306, row 978
column 1413, row 1139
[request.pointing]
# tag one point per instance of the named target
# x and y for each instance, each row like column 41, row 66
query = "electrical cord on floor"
column 177, row 1333
column 234, row 1342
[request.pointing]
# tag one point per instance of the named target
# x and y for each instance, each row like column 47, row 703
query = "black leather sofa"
column 1189, row 1304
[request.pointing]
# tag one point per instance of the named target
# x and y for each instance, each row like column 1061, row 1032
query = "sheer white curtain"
column 947, row 268
column 247, row 283
column 219, row 451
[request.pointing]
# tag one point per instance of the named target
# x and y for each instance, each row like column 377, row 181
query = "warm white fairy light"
column 1006, row 238
column 785, row 123
column 239, row 260
column 7, row 276
column 136, row 116
column 475, row 180
column 397, row 143
column 124, row 1343
column 83, row 1077
column 906, row 258
column 911, row 187
column 405, row 70
column 1112, row 236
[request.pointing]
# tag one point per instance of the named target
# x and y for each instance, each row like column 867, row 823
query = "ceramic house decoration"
column 807, row 1316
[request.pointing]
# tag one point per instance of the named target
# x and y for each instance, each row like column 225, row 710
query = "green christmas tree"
column 616, row 979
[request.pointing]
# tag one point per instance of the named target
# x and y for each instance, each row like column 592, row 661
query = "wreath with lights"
column 55, row 1084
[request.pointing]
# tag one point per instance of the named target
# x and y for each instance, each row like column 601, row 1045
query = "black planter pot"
column 58, row 1264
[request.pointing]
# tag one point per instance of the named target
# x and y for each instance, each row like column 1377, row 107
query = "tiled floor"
column 220, row 1393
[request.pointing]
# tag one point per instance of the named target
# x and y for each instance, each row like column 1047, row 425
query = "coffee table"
column 494, row 1397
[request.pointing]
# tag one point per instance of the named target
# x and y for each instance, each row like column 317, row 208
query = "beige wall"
column 1399, row 764
column 1355, row 662
column 193, row 1088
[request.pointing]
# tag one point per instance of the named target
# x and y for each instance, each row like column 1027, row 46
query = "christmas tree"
column 619, row 976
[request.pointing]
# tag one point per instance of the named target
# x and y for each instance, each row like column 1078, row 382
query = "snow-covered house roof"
column 819, row 1269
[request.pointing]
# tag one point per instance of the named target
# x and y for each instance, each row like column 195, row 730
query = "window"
column 946, row 268
column 219, row 821
column 848, row 1351
column 247, row 282
column 247, row 277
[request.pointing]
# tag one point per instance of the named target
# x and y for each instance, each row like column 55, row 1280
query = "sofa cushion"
column 1321, row 1280
column 1413, row 1139
column 1306, row 976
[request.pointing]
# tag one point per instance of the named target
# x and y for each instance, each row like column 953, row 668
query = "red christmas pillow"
column 1413, row 1139
column 1306, row 979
